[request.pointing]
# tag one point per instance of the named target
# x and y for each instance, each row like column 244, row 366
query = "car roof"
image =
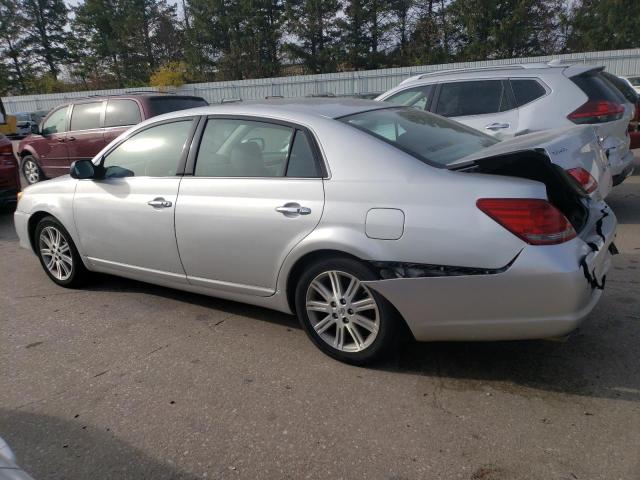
column 128, row 95
column 521, row 70
column 286, row 108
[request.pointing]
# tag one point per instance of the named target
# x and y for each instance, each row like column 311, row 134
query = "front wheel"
column 31, row 170
column 58, row 254
column 342, row 316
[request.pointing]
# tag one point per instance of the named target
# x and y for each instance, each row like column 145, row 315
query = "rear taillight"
column 533, row 220
column 6, row 149
column 597, row 111
column 584, row 179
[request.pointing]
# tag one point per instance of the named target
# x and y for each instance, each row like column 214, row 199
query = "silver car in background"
column 360, row 217
column 511, row 100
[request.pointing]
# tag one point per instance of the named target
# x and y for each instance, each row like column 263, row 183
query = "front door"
column 255, row 193
column 126, row 220
column 51, row 146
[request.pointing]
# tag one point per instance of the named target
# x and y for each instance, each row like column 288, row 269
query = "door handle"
column 293, row 209
column 61, row 139
column 71, row 139
column 497, row 126
column 159, row 202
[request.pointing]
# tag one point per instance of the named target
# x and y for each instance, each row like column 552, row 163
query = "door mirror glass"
column 35, row 128
column 83, row 169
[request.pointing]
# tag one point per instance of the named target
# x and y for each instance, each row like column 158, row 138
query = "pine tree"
column 314, row 25
column 45, row 32
column 14, row 62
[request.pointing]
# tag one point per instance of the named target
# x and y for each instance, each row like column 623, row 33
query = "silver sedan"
column 360, row 217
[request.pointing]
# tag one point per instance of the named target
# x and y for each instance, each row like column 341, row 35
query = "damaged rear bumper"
column 546, row 292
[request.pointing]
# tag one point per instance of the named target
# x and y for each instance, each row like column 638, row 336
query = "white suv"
column 509, row 100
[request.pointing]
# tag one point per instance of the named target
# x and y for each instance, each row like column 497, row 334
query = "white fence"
column 619, row 62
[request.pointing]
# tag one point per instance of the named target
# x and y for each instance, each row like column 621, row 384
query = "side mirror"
column 83, row 169
column 35, row 129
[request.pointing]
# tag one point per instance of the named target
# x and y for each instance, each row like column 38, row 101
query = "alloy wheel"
column 342, row 311
column 31, row 171
column 56, row 253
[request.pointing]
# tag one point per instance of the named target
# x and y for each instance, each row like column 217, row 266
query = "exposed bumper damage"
column 545, row 292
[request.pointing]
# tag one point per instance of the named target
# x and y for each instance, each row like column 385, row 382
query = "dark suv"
column 80, row 129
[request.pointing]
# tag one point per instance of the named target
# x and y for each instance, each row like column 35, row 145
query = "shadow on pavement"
column 53, row 448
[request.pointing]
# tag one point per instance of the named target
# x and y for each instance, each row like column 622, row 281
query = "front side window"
column 122, row 113
column 56, row 123
column 86, row 116
column 243, row 148
column 412, row 97
column 430, row 138
column 482, row 97
column 153, row 152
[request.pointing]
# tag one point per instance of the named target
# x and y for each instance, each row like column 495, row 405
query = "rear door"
column 255, row 192
column 119, row 116
column 486, row 105
column 86, row 136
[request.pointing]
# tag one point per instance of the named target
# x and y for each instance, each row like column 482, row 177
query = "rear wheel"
column 343, row 317
column 58, row 254
column 31, row 170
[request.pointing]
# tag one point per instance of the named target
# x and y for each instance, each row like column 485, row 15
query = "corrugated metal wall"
column 620, row 62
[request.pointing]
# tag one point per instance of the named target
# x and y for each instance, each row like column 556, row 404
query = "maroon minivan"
column 80, row 129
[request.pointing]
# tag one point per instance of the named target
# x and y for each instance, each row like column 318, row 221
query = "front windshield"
column 430, row 138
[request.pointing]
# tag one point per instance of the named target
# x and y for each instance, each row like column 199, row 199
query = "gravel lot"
column 126, row 380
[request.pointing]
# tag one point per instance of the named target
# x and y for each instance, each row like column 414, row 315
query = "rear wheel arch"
column 307, row 259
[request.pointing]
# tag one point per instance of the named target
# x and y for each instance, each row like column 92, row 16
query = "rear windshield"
column 160, row 105
column 597, row 88
column 627, row 90
column 428, row 137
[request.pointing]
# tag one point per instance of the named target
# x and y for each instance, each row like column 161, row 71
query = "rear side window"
column 526, row 91
column 302, row 163
column 243, row 148
column 481, row 97
column 412, row 97
column 160, row 105
column 596, row 87
column 121, row 113
column 86, row 116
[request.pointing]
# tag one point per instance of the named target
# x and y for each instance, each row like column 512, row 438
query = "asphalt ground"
column 124, row 380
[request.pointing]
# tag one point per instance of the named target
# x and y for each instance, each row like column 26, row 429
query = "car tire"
column 58, row 254
column 30, row 170
column 351, row 322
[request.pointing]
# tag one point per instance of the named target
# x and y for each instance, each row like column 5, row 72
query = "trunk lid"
column 570, row 147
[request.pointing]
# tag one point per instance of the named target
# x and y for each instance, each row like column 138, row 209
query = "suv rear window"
column 160, row 105
column 428, row 137
column 627, row 90
column 596, row 87
column 526, row 91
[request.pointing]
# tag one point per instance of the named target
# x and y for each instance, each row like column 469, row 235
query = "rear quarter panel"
column 442, row 224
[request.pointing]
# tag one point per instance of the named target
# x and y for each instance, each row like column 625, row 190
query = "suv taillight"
column 584, row 179
column 597, row 111
column 535, row 221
